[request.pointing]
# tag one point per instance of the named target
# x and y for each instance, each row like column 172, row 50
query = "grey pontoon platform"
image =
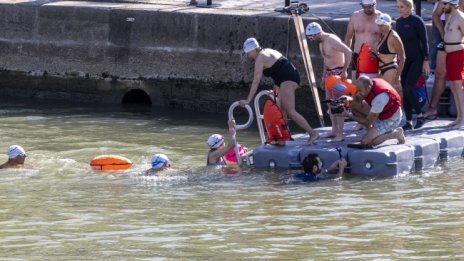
column 422, row 150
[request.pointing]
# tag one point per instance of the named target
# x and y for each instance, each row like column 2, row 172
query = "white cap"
column 313, row 28
column 453, row 2
column 215, row 140
column 383, row 19
column 15, row 151
column 159, row 161
column 250, row 44
column 368, row 2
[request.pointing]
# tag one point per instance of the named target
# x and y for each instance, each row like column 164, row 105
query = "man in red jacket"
column 377, row 106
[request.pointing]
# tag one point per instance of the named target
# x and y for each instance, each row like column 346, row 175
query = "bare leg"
column 456, row 89
column 395, row 134
column 287, row 101
column 333, row 132
column 438, row 84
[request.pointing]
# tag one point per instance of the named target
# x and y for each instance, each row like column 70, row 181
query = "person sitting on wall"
column 312, row 167
column 377, row 106
column 159, row 162
column 16, row 157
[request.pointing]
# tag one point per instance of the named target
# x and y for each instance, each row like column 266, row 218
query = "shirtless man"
column 16, row 157
column 337, row 57
column 454, row 47
column 362, row 26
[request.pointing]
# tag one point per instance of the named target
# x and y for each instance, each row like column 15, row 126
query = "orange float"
column 110, row 162
column 276, row 127
column 338, row 87
column 367, row 60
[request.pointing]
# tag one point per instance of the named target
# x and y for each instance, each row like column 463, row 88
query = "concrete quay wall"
column 181, row 57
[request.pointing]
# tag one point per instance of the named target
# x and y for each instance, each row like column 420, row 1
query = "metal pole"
column 209, row 2
column 418, row 7
column 287, row 2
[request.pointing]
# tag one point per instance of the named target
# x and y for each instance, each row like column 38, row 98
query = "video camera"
column 338, row 105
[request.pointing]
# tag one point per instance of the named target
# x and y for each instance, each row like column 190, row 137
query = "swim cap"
column 230, row 156
column 313, row 28
column 159, row 160
column 215, row 140
column 368, row 2
column 250, row 44
column 15, row 151
column 383, row 19
column 453, row 2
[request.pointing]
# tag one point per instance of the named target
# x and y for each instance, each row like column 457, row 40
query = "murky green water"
column 62, row 210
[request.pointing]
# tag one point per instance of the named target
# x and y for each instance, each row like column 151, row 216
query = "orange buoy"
column 367, row 60
column 110, row 162
column 276, row 127
column 338, row 87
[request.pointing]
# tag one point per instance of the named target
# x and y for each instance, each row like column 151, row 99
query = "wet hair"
column 309, row 162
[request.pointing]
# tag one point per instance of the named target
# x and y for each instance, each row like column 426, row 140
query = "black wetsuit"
column 413, row 34
column 282, row 70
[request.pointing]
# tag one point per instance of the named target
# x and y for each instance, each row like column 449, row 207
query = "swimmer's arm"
column 337, row 168
column 213, row 156
column 343, row 48
column 399, row 48
column 436, row 19
column 258, row 74
column 349, row 33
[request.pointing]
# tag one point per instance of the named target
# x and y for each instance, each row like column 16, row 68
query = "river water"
column 62, row 210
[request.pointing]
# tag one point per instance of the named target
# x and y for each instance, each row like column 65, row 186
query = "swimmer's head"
column 215, row 141
column 159, row 161
column 15, row 151
column 312, row 30
column 383, row 19
column 250, row 44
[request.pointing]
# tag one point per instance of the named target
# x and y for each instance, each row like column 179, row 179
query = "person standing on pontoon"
column 337, row 58
column 454, row 48
column 273, row 64
column 377, row 106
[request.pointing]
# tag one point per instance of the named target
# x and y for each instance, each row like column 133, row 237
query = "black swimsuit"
column 383, row 49
column 282, row 70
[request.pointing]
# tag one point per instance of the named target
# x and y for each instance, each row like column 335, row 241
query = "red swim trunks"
column 455, row 65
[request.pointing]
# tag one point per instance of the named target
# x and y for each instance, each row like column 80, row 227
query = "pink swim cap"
column 230, row 156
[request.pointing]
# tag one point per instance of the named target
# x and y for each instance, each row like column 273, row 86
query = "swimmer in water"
column 16, row 157
column 159, row 163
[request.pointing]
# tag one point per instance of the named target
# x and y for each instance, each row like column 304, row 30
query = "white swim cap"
column 368, row 2
column 250, row 44
column 453, row 2
column 215, row 140
column 159, row 160
column 383, row 19
column 15, row 151
column 313, row 28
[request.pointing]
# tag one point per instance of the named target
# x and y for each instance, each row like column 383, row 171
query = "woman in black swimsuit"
column 273, row 64
column 390, row 53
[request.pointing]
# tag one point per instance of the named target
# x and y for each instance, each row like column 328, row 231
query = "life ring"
column 250, row 115
column 110, row 162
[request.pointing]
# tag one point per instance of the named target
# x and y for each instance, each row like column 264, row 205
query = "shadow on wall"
column 138, row 97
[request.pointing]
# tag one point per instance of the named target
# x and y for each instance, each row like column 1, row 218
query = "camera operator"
column 377, row 106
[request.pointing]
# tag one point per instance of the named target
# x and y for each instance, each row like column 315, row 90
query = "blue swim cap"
column 159, row 161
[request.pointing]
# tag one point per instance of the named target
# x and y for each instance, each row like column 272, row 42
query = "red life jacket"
column 394, row 103
column 276, row 126
column 367, row 60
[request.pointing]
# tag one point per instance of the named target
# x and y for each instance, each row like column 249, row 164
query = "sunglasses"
column 444, row 3
column 367, row 6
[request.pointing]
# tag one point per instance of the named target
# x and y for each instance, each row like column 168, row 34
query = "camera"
column 337, row 105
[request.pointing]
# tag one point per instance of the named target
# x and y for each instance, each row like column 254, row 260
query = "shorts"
column 388, row 125
column 334, row 71
column 455, row 65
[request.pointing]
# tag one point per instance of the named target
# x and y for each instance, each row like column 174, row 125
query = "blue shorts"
column 388, row 125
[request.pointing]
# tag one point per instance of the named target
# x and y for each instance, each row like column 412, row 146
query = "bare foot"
column 328, row 135
column 455, row 122
column 399, row 135
column 312, row 137
column 431, row 114
column 358, row 127
column 338, row 137
column 458, row 125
